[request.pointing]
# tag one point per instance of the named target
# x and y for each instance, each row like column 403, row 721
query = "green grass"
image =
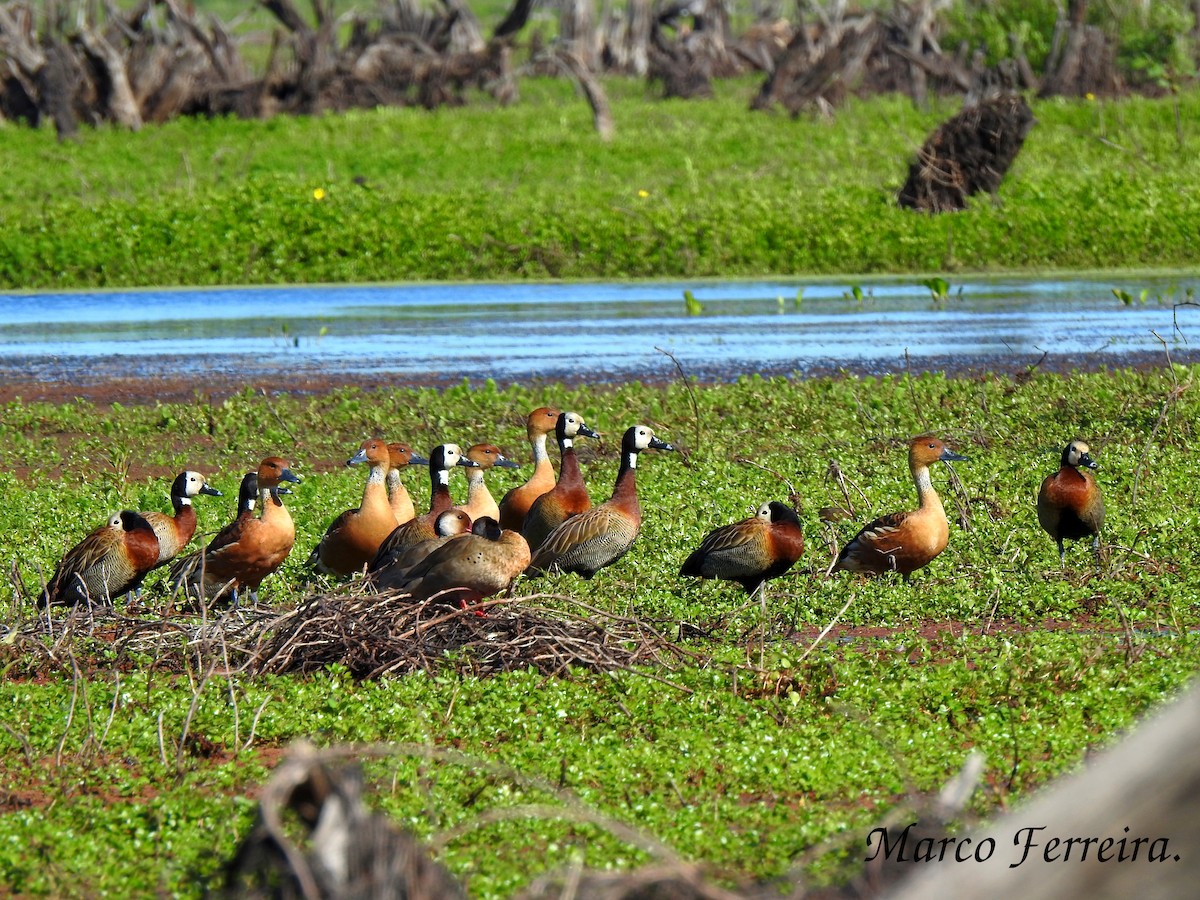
column 744, row 770
column 684, row 190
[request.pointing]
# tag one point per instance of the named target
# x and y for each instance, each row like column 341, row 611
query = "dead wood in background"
column 967, row 154
column 157, row 61
column 1082, row 61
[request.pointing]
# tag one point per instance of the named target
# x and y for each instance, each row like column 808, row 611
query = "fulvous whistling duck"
column 252, row 547
column 109, row 562
column 175, row 531
column 515, row 504
column 750, row 551
column 1069, row 504
column 353, row 538
column 603, row 534
column 388, row 567
column 443, row 459
column 904, row 541
column 569, row 497
column 469, row 568
column 479, row 499
column 401, row 455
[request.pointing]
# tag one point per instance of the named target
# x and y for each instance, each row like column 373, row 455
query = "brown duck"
column 569, row 497
column 479, row 499
column 750, row 551
column 1069, row 503
column 252, row 547
column 515, row 504
column 353, row 538
column 108, row 563
column 588, row 542
column 904, row 541
column 401, row 455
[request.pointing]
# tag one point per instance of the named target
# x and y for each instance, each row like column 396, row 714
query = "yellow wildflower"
column 319, row 194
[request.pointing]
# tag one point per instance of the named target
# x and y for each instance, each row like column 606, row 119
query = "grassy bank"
column 686, row 189
column 993, row 646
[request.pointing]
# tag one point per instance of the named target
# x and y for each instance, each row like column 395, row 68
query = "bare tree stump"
column 967, row 154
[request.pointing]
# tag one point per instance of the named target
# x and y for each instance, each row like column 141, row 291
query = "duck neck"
column 926, row 495
column 375, row 491
column 180, row 502
column 439, row 499
column 541, row 456
column 398, row 497
column 568, row 467
column 625, row 490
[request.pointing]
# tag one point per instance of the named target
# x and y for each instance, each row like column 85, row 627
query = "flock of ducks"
column 465, row 553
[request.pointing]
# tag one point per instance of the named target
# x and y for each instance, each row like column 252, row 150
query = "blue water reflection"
column 519, row 330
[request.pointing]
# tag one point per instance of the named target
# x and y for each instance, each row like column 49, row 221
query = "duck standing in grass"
column 174, row 531
column 588, row 542
column 1069, row 503
column 539, row 425
column 353, row 538
column 569, row 497
column 108, row 563
column 252, row 547
column 904, row 541
column 750, row 551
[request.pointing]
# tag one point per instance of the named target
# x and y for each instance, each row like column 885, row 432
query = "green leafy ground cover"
column 685, row 189
column 132, row 777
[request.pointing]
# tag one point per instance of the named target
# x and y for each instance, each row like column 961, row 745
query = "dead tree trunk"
column 575, row 31
column 966, row 155
column 1081, row 59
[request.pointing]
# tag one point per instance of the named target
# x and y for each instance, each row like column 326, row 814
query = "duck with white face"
column 592, row 540
column 1070, row 506
column 108, row 563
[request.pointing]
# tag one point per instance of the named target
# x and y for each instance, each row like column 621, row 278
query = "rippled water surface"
column 518, row 331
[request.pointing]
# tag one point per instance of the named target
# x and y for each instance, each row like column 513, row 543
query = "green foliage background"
column 685, row 189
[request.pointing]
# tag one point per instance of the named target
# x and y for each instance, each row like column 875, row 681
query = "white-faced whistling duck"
column 401, row 455
column 479, row 503
column 538, row 426
column 353, row 538
column 252, row 547
column 904, row 541
column 466, row 569
column 750, row 551
column 443, row 460
column 588, row 542
column 174, row 531
column 389, row 567
column 109, row 562
column 1069, row 504
column 569, row 497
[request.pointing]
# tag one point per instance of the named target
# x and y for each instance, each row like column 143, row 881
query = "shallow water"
column 621, row 330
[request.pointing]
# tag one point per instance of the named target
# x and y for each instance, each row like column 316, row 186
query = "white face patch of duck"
column 1076, row 451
